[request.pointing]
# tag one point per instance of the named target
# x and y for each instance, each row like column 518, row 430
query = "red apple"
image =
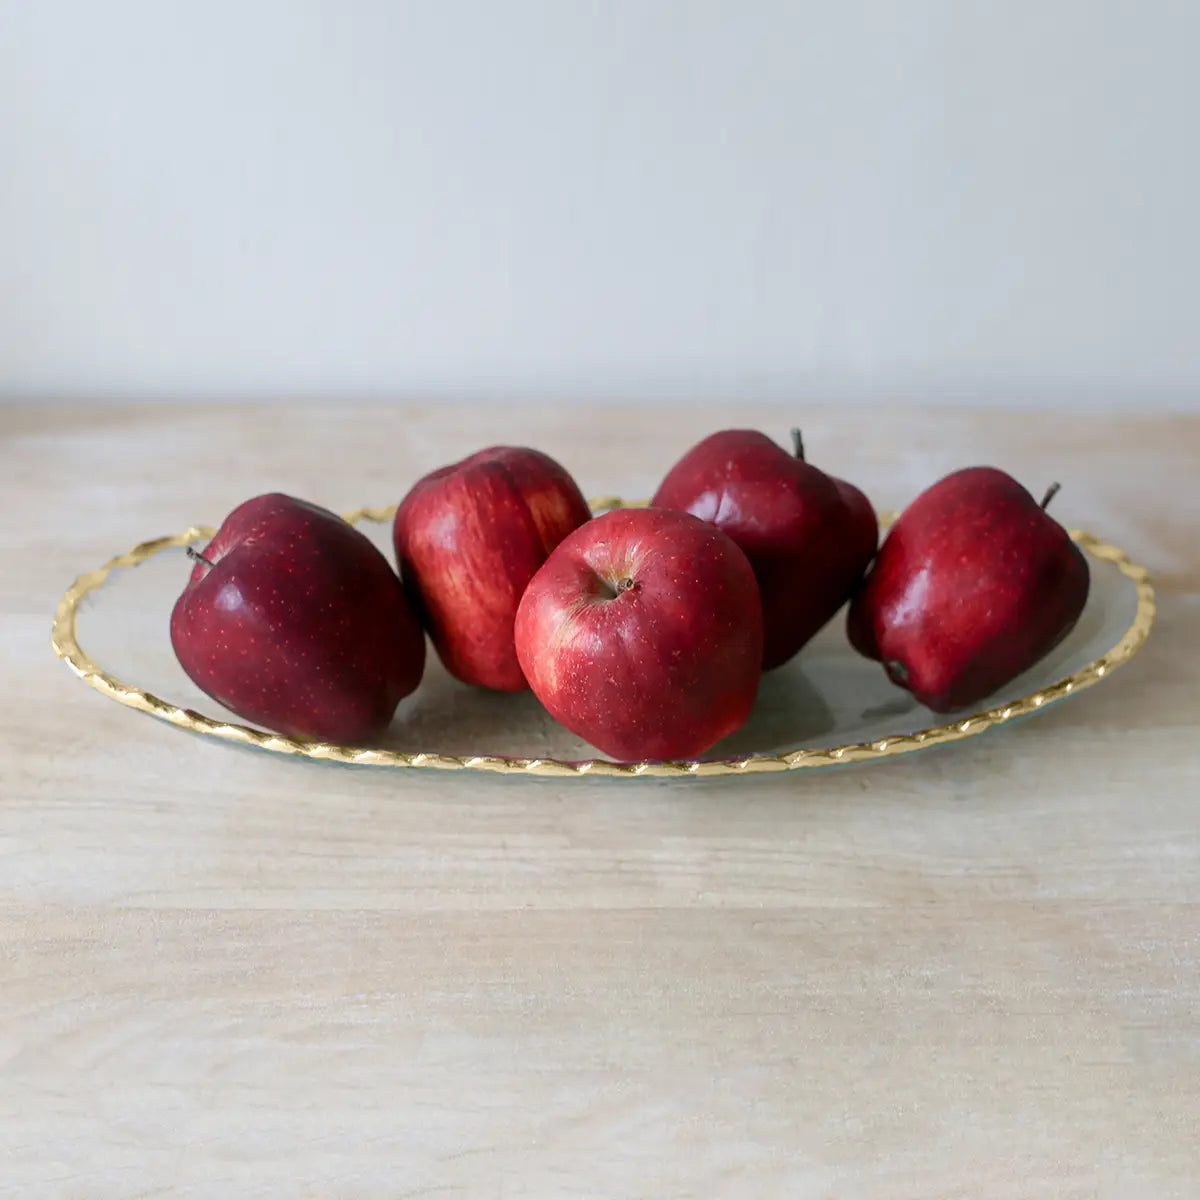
column 973, row 585
column 468, row 538
column 808, row 536
column 642, row 633
column 295, row 621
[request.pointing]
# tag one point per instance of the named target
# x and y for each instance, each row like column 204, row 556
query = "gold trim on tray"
column 66, row 645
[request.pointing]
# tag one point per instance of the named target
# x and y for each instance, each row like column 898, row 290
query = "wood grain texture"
column 970, row 972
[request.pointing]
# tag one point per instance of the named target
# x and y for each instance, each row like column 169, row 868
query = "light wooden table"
column 973, row 972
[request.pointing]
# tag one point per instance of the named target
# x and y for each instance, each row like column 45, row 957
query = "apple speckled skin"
column 300, row 624
column 809, row 537
column 468, row 538
column 642, row 633
column 973, row 584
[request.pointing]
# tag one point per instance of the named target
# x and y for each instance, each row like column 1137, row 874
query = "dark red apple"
column 642, row 633
column 973, row 584
column 468, row 538
column 295, row 621
column 808, row 536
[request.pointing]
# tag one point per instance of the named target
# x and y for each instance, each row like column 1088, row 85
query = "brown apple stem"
column 625, row 585
column 195, row 554
column 1051, row 492
column 798, row 444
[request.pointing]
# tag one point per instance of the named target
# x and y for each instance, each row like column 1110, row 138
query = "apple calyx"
column 798, row 445
column 196, row 556
column 1051, row 492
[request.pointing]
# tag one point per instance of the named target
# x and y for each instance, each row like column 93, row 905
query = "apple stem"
column 798, row 444
column 1051, row 492
column 195, row 554
column 625, row 585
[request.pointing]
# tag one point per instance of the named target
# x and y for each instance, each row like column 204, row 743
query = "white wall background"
column 955, row 199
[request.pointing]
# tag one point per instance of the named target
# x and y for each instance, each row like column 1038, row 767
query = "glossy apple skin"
column 468, row 539
column 808, row 536
column 642, row 633
column 973, row 585
column 300, row 624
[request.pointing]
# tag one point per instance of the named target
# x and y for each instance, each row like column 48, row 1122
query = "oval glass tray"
column 827, row 706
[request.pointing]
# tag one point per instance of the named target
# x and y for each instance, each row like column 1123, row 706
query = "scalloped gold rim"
column 66, row 646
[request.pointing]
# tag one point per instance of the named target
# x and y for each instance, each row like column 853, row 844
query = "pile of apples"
column 645, row 631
